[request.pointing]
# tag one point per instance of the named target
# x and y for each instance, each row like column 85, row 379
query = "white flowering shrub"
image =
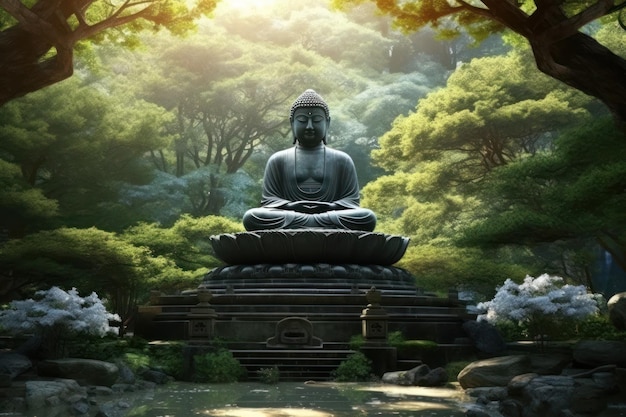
column 59, row 313
column 539, row 305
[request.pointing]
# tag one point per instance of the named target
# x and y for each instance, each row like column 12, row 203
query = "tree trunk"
column 583, row 63
column 22, row 66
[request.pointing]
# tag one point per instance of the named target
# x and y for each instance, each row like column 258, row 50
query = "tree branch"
column 571, row 25
column 31, row 21
column 83, row 32
column 508, row 14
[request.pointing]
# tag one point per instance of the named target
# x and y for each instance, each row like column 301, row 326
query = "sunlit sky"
column 245, row 4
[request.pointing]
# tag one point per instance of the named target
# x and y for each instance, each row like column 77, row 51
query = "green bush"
column 595, row 327
column 453, row 369
column 167, row 358
column 599, row 328
column 356, row 342
column 395, row 339
column 269, row 375
column 357, row 367
column 218, row 366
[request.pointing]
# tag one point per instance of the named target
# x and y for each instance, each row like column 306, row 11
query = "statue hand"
column 310, row 207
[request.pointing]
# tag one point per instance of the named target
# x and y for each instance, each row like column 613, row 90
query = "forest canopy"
column 494, row 169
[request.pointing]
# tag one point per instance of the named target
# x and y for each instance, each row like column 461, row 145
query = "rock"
column 518, row 384
column 488, row 393
column 494, row 372
column 40, row 394
column 511, row 408
column 14, row 364
column 157, row 377
column 485, row 337
column 617, row 310
column 532, row 395
column 548, row 395
column 85, row 371
column 476, row 411
column 80, row 408
column 435, row 378
column 126, row 375
column 600, row 352
column 588, row 397
column 549, row 364
column 406, row 378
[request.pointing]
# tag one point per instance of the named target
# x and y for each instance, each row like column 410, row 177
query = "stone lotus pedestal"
column 329, row 246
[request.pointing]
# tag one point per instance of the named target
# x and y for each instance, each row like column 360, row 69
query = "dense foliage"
column 113, row 181
column 38, row 38
column 556, row 31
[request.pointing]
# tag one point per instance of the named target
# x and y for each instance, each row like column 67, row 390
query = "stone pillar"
column 202, row 318
column 374, row 320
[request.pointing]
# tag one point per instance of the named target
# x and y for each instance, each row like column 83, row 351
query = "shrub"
column 541, row 306
column 218, row 366
column 168, row 358
column 357, row 367
column 57, row 315
column 269, row 375
column 356, row 342
column 599, row 328
column 395, row 339
column 454, row 368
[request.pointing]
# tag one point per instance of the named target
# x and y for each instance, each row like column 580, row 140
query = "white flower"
column 541, row 297
column 59, row 309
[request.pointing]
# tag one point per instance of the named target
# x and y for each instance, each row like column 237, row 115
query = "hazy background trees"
column 114, row 179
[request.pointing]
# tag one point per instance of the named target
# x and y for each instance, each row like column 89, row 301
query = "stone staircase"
column 293, row 364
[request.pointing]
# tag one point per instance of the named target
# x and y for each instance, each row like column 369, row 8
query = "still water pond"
column 297, row 400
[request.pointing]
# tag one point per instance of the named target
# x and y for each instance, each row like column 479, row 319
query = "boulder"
column 435, row 378
column 534, row 395
column 600, row 352
column 406, row 378
column 494, row 372
column 155, row 376
column 549, row 364
column 485, row 337
column 14, row 364
column 43, row 394
column 85, row 371
column 617, row 310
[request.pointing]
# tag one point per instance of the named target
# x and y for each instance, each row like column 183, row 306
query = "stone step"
column 309, row 299
column 312, row 316
column 293, row 364
column 301, row 291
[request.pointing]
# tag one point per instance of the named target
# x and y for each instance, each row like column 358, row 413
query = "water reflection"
column 298, row 400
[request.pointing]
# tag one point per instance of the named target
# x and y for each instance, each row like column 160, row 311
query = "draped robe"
column 339, row 186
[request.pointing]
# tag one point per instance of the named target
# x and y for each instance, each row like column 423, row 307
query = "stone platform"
column 250, row 299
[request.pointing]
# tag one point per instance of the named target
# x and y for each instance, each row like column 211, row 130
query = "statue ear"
column 292, row 131
column 327, row 127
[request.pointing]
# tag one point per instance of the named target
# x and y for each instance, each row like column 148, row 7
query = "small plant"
column 356, row 342
column 395, row 339
column 57, row 315
column 454, row 368
column 269, row 375
column 357, row 367
column 218, row 366
column 540, row 306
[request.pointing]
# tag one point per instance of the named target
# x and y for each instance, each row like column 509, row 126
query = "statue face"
column 309, row 125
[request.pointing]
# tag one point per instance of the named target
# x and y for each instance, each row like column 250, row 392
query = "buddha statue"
column 310, row 186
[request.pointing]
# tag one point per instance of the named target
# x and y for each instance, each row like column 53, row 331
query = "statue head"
column 309, row 118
